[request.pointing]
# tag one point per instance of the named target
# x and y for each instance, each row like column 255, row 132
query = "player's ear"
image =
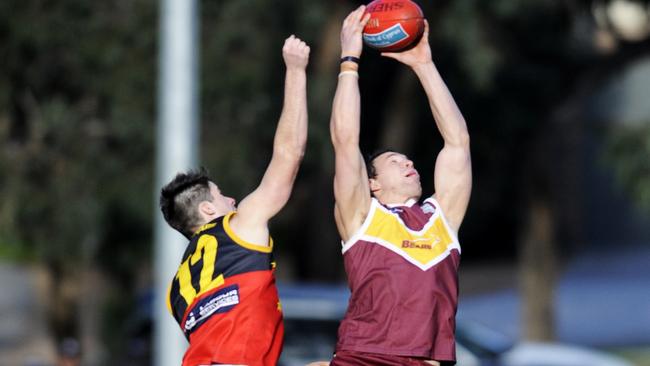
column 374, row 185
column 206, row 209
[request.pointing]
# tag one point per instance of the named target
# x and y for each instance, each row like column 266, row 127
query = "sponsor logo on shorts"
column 219, row 302
column 387, row 37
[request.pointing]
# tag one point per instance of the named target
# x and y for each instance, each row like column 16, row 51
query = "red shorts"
column 353, row 358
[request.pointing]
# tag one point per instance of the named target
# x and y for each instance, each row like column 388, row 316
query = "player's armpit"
column 453, row 182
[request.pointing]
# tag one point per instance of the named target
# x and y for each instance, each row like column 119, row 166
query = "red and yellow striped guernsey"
column 225, row 300
column 402, row 271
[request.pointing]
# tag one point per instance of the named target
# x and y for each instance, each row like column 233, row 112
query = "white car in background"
column 493, row 348
column 312, row 314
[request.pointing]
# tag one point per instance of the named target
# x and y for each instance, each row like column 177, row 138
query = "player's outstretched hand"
column 351, row 40
column 295, row 53
column 418, row 55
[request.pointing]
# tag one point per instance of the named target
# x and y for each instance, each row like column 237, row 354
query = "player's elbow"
column 459, row 139
column 342, row 135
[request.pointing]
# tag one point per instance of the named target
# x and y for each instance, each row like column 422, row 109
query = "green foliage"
column 77, row 133
column 627, row 153
column 242, row 82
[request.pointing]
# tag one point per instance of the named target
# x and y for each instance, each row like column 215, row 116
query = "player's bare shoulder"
column 251, row 232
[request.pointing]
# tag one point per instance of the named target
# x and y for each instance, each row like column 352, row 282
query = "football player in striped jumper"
column 223, row 295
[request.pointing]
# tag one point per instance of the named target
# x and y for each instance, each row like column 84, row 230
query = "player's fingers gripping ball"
column 394, row 25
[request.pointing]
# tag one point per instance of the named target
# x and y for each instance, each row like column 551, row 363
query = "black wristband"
column 350, row 58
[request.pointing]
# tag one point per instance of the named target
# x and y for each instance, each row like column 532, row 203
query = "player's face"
column 223, row 204
column 397, row 176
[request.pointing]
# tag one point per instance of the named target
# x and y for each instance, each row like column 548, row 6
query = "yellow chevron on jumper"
column 423, row 246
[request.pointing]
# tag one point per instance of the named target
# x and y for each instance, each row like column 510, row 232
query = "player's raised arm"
column 453, row 171
column 351, row 190
column 254, row 211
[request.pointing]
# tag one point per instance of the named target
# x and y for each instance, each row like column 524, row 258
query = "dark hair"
column 370, row 161
column 179, row 200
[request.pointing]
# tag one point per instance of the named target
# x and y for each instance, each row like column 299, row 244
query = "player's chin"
column 415, row 190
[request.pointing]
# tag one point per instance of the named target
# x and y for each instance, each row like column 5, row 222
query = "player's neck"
column 395, row 199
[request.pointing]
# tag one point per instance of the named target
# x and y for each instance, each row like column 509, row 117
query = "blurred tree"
column 628, row 152
column 541, row 62
column 241, row 108
column 76, row 134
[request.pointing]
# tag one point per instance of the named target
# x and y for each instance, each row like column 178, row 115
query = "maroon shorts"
column 353, row 358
